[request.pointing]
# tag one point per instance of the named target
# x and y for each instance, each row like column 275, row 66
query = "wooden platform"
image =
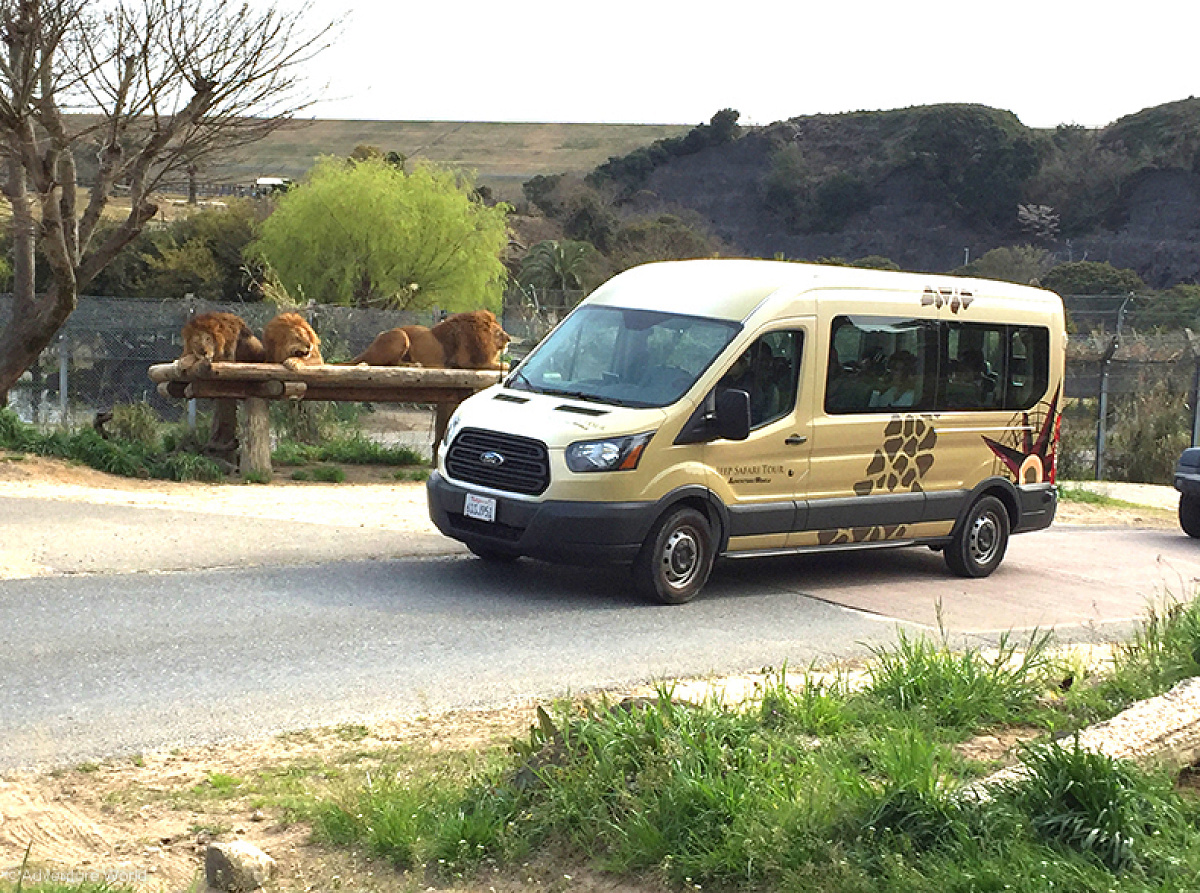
column 253, row 384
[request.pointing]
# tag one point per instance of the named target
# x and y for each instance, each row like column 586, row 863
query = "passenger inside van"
column 970, row 386
column 758, row 373
column 902, row 383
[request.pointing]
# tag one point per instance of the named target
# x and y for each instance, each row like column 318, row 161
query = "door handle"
column 796, row 440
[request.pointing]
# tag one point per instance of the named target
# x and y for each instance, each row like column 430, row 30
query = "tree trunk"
column 36, row 319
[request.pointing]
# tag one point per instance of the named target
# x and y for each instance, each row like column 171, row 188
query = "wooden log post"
column 256, row 446
column 256, row 383
column 222, row 438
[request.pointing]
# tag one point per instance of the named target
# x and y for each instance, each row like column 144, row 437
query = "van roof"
column 732, row 288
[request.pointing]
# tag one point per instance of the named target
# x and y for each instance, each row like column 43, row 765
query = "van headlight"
column 609, row 454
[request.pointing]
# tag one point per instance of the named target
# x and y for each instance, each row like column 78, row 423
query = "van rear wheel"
column 978, row 546
column 676, row 559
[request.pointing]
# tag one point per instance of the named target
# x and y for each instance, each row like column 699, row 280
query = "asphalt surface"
column 105, row 652
column 110, row 664
column 58, row 536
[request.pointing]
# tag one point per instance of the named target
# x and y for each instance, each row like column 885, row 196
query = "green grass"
column 351, row 449
column 328, row 474
column 140, row 447
column 964, row 689
column 1090, row 497
column 137, row 456
column 819, row 786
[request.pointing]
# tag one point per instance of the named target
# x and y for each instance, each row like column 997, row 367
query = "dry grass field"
column 503, row 155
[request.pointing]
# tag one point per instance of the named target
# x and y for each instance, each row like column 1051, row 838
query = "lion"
column 471, row 340
column 290, row 340
column 219, row 338
column 389, row 348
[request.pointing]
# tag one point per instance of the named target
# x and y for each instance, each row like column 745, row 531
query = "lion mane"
column 290, row 340
column 219, row 338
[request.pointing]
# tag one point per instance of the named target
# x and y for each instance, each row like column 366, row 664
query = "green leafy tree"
column 588, row 218
column 982, row 157
column 837, row 199
column 540, row 192
column 1082, row 179
column 869, row 262
column 1088, row 277
column 1023, row 264
column 370, row 234
column 200, row 254
column 665, row 237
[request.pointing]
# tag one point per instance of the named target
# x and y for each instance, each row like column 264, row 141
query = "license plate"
column 481, row 508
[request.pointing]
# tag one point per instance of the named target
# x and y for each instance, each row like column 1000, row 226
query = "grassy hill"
column 503, row 155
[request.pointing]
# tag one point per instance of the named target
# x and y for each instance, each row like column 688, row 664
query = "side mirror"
column 733, row 414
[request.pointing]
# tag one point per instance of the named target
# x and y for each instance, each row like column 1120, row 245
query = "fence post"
column 1102, row 408
column 63, row 360
column 1102, row 413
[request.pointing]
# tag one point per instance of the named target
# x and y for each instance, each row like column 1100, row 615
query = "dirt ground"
column 145, row 821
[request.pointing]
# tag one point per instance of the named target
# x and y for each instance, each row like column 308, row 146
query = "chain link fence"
column 102, row 355
column 1130, row 393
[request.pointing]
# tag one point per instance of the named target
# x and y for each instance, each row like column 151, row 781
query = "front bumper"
column 555, row 530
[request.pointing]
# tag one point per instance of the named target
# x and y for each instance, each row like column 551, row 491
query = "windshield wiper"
column 577, row 395
column 519, row 377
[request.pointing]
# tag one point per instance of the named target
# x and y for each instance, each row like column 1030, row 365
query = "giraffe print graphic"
column 897, row 467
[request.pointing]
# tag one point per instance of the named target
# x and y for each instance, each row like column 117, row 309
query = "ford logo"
column 492, row 458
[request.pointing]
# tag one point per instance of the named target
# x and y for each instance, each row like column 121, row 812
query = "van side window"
column 769, row 371
column 992, row 366
column 879, row 364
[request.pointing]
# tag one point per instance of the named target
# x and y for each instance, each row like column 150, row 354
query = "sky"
column 669, row 62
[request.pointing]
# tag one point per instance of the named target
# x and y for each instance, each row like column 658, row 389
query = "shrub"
column 1088, row 277
column 328, row 474
column 837, row 199
column 981, row 157
column 1148, row 430
column 1077, row 440
column 137, row 422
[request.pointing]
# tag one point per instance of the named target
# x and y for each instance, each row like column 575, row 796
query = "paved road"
column 92, row 665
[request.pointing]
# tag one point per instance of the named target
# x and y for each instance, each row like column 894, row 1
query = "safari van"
column 687, row 410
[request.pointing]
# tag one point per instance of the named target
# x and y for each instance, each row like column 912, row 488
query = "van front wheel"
column 978, row 546
column 676, row 559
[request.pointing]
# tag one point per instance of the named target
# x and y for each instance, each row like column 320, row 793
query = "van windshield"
column 624, row 357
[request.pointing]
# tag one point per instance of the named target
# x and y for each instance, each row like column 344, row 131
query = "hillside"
column 503, row 155
column 928, row 187
column 931, row 187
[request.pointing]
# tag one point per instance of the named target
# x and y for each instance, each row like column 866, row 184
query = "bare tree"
column 152, row 87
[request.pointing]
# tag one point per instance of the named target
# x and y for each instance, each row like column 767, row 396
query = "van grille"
column 525, row 467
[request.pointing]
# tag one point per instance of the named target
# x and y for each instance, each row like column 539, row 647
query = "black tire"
column 676, row 559
column 979, row 543
column 1189, row 515
column 491, row 554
